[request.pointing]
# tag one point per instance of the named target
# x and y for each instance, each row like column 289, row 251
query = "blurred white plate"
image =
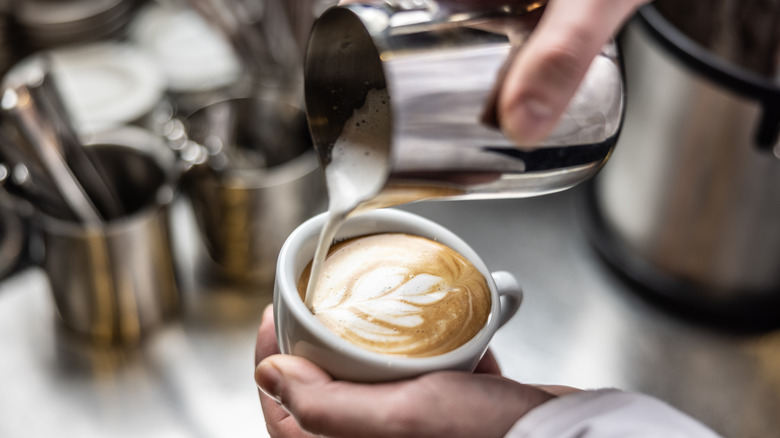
column 107, row 84
column 193, row 55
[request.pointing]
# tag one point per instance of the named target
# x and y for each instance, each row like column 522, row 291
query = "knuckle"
column 406, row 420
column 409, row 420
column 310, row 415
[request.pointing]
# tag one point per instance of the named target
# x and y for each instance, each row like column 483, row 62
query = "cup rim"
column 302, row 242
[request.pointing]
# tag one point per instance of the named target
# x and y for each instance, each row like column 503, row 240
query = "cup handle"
column 510, row 294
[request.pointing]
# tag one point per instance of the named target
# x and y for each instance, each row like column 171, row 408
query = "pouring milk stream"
column 356, row 172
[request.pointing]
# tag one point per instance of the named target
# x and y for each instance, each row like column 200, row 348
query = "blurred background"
column 134, row 313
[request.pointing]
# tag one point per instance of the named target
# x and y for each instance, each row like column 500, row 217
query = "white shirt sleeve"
column 607, row 413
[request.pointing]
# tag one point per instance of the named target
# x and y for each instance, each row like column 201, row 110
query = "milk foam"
column 400, row 294
column 357, row 170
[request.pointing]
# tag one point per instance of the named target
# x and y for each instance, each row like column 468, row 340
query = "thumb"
column 319, row 404
column 278, row 375
column 548, row 70
column 273, row 383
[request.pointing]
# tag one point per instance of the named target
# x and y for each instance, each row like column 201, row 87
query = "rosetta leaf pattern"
column 402, row 295
column 398, row 302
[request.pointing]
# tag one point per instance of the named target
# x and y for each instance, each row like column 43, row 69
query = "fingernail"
column 528, row 121
column 269, row 379
column 539, row 110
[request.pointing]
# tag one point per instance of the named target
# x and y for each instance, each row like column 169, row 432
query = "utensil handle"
column 82, row 162
column 17, row 104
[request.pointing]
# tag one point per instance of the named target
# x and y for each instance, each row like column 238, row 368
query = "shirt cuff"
column 607, row 413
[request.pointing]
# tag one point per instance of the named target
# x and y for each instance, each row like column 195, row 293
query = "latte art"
column 400, row 294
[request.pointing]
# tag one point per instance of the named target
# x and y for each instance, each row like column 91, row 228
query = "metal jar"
column 117, row 282
column 260, row 182
column 689, row 206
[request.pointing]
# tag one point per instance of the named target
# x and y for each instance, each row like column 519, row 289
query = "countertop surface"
column 580, row 325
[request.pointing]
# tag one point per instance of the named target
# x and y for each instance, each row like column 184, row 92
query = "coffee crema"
column 399, row 294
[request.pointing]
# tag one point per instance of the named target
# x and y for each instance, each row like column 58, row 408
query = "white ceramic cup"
column 298, row 332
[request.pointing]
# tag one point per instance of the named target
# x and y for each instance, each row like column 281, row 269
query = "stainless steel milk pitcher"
column 438, row 64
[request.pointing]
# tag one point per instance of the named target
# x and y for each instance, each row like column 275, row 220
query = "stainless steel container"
column 260, row 182
column 689, row 205
column 13, row 240
column 435, row 135
column 116, row 282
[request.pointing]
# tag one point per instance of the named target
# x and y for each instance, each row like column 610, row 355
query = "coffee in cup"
column 299, row 332
column 399, row 294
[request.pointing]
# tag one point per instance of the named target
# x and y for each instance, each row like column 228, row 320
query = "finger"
column 558, row 390
column 266, row 337
column 438, row 404
column 550, row 66
column 268, row 376
column 278, row 421
column 275, row 376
